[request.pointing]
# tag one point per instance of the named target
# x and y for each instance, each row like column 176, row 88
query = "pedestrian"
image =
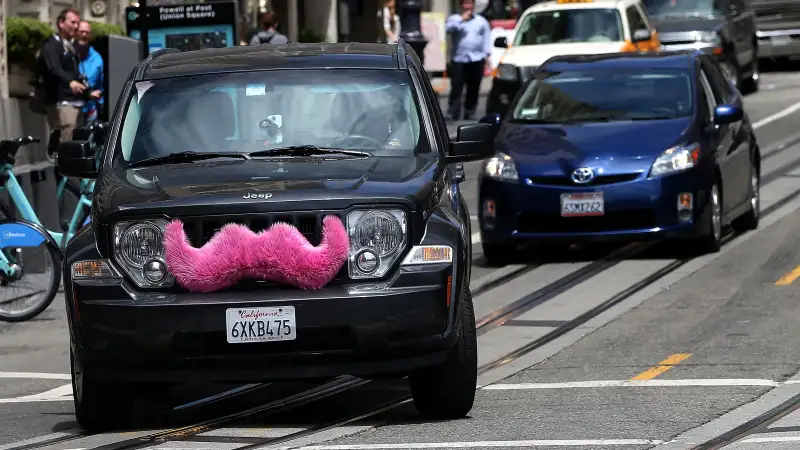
column 91, row 67
column 57, row 68
column 472, row 47
column 269, row 33
column 389, row 23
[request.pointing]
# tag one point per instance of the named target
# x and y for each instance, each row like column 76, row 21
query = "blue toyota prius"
column 621, row 146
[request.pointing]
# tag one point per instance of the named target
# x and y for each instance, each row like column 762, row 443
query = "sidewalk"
column 442, row 86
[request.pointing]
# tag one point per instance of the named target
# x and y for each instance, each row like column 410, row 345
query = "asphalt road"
column 708, row 346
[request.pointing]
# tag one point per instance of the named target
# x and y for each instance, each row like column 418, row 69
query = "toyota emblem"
column 582, row 175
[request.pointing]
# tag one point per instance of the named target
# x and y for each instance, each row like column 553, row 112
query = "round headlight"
column 154, row 271
column 367, row 261
column 140, row 243
column 379, row 231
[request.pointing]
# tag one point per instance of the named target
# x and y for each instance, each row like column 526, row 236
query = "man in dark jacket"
column 58, row 67
column 269, row 33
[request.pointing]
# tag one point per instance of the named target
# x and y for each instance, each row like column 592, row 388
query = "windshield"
column 570, row 25
column 605, row 95
column 682, row 8
column 370, row 110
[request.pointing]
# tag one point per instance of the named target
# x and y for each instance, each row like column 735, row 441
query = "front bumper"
column 778, row 43
column 340, row 330
column 641, row 208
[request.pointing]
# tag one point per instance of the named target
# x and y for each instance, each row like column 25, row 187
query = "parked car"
column 342, row 158
column 621, row 147
column 567, row 27
column 725, row 29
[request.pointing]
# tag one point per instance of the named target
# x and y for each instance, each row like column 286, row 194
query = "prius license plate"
column 585, row 204
column 261, row 324
column 780, row 40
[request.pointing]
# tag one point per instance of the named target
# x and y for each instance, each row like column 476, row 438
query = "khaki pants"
column 64, row 118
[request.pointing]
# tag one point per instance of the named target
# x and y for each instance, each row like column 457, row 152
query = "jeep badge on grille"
column 268, row 195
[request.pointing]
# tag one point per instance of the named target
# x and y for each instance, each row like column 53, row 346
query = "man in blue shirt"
column 91, row 67
column 472, row 46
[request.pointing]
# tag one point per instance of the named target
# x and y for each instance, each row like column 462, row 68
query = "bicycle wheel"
column 37, row 271
column 66, row 206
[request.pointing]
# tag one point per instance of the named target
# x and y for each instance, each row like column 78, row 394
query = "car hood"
column 535, row 55
column 668, row 26
column 220, row 187
column 608, row 147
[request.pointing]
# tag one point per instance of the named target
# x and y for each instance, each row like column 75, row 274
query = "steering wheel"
column 378, row 144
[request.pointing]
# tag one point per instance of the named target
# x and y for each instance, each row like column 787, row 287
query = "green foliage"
column 100, row 29
column 25, row 37
column 308, row 36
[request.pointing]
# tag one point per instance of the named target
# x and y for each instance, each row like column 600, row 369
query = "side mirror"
column 640, row 35
column 725, row 114
column 492, row 119
column 501, row 42
column 474, row 142
column 76, row 159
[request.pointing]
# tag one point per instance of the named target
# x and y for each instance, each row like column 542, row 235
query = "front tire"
column 749, row 220
column 99, row 405
column 711, row 240
column 447, row 391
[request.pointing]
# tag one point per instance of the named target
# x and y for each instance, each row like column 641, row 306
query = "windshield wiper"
column 305, row 150
column 187, row 156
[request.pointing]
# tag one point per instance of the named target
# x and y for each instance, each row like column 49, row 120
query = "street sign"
column 188, row 26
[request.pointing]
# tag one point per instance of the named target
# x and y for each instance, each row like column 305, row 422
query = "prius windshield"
column 605, row 95
column 373, row 111
column 570, row 26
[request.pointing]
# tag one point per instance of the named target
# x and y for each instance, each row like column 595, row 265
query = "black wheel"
column 498, row 254
column 750, row 84
column 749, row 220
column 711, row 240
column 32, row 289
column 99, row 405
column 448, row 391
column 66, row 206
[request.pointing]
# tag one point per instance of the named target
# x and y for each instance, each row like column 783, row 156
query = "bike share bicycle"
column 21, row 240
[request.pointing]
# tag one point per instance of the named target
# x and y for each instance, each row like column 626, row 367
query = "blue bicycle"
column 30, row 255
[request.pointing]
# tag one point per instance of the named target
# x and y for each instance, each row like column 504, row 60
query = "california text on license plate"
column 577, row 205
column 260, row 324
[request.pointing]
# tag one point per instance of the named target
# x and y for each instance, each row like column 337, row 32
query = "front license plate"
column 578, row 205
column 780, row 40
column 261, row 324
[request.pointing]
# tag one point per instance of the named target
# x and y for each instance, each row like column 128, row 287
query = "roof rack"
column 146, row 62
column 401, row 54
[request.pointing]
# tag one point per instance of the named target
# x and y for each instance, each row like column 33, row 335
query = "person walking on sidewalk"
column 269, row 33
column 471, row 36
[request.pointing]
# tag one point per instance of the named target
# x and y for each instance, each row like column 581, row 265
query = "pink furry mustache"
column 280, row 253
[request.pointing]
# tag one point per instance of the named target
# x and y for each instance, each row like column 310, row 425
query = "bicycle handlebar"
column 9, row 147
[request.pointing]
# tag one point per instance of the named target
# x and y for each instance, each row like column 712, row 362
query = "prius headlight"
column 377, row 240
column 501, row 166
column 676, row 159
column 139, row 249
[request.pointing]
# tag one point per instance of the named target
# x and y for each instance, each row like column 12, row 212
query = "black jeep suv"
column 341, row 153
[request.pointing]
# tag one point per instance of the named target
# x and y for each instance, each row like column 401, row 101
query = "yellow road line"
column 789, row 277
column 662, row 367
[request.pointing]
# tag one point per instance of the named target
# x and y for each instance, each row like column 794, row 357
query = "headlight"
column 676, row 159
column 501, row 166
column 713, row 39
column 377, row 239
column 139, row 249
column 507, row 72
